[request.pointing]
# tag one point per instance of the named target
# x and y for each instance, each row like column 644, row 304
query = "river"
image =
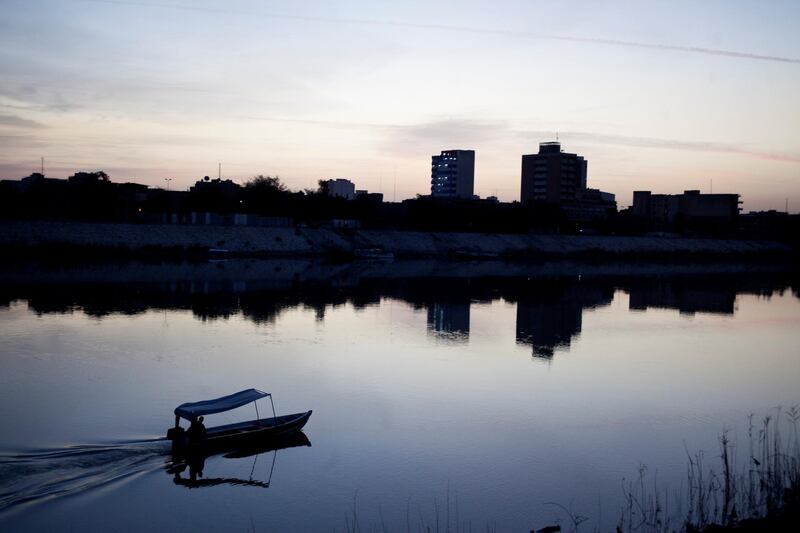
column 466, row 394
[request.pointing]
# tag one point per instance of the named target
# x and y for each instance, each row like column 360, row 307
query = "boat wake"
column 35, row 476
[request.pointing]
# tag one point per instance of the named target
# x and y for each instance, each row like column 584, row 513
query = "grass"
column 443, row 520
column 762, row 490
column 748, row 488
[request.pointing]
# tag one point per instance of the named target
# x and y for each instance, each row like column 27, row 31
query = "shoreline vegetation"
column 47, row 238
column 747, row 488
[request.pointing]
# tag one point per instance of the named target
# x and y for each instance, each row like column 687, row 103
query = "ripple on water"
column 38, row 475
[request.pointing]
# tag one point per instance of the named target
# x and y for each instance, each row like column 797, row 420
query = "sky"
column 662, row 96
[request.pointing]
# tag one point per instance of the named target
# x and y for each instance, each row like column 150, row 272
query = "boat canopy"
column 192, row 410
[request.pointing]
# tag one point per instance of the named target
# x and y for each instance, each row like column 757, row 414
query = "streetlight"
column 167, row 180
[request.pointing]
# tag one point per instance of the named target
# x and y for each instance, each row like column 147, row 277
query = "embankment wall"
column 318, row 242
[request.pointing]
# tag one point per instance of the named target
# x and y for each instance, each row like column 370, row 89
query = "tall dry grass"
column 728, row 489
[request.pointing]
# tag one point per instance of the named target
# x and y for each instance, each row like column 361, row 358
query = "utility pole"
column 42, row 165
column 219, row 171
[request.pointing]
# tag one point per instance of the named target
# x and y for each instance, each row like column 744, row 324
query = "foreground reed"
column 759, row 492
column 756, row 489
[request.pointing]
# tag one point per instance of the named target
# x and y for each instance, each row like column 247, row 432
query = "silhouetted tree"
column 265, row 183
column 92, row 195
column 267, row 195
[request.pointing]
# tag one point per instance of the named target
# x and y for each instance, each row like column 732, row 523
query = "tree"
column 265, row 183
column 267, row 195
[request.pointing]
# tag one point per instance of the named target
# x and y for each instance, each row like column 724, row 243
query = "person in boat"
column 197, row 430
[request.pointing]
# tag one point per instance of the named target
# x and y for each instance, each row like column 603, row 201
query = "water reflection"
column 550, row 298
column 407, row 361
column 687, row 296
column 449, row 320
column 42, row 475
column 550, row 316
column 195, row 463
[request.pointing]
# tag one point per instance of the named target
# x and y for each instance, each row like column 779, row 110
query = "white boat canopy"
column 190, row 411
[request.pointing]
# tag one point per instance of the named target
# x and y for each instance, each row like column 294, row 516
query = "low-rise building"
column 593, row 204
column 341, row 188
column 216, row 187
column 369, row 197
column 691, row 205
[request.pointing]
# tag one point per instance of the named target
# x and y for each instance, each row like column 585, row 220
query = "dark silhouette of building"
column 216, row 186
column 453, row 174
column 39, row 180
column 339, row 188
column 363, row 195
column 559, row 178
column 552, row 175
column 691, row 205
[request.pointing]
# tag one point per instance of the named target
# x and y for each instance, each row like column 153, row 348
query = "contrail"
column 670, row 144
column 465, row 29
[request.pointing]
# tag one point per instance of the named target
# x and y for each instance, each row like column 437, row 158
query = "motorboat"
column 237, row 434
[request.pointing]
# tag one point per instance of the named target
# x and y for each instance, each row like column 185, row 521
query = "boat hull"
column 243, row 433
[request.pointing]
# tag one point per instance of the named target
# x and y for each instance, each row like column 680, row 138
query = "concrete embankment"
column 135, row 238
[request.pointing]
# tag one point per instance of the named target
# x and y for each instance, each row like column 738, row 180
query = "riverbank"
column 141, row 239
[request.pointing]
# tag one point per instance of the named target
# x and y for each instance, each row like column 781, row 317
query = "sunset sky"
column 664, row 96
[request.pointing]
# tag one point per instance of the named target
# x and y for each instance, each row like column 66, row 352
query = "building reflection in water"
column 687, row 296
column 550, row 315
column 550, row 299
column 449, row 320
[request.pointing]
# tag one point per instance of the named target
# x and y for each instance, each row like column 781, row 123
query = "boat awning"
column 192, row 410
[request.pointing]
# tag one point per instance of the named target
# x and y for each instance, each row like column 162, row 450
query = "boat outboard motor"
column 177, row 435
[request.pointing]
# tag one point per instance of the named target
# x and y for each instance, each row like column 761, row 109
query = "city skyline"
column 154, row 90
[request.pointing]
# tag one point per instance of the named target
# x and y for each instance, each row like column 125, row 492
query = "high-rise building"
column 453, row 174
column 559, row 178
column 552, row 176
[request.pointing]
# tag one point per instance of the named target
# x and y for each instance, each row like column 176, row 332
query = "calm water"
column 482, row 390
